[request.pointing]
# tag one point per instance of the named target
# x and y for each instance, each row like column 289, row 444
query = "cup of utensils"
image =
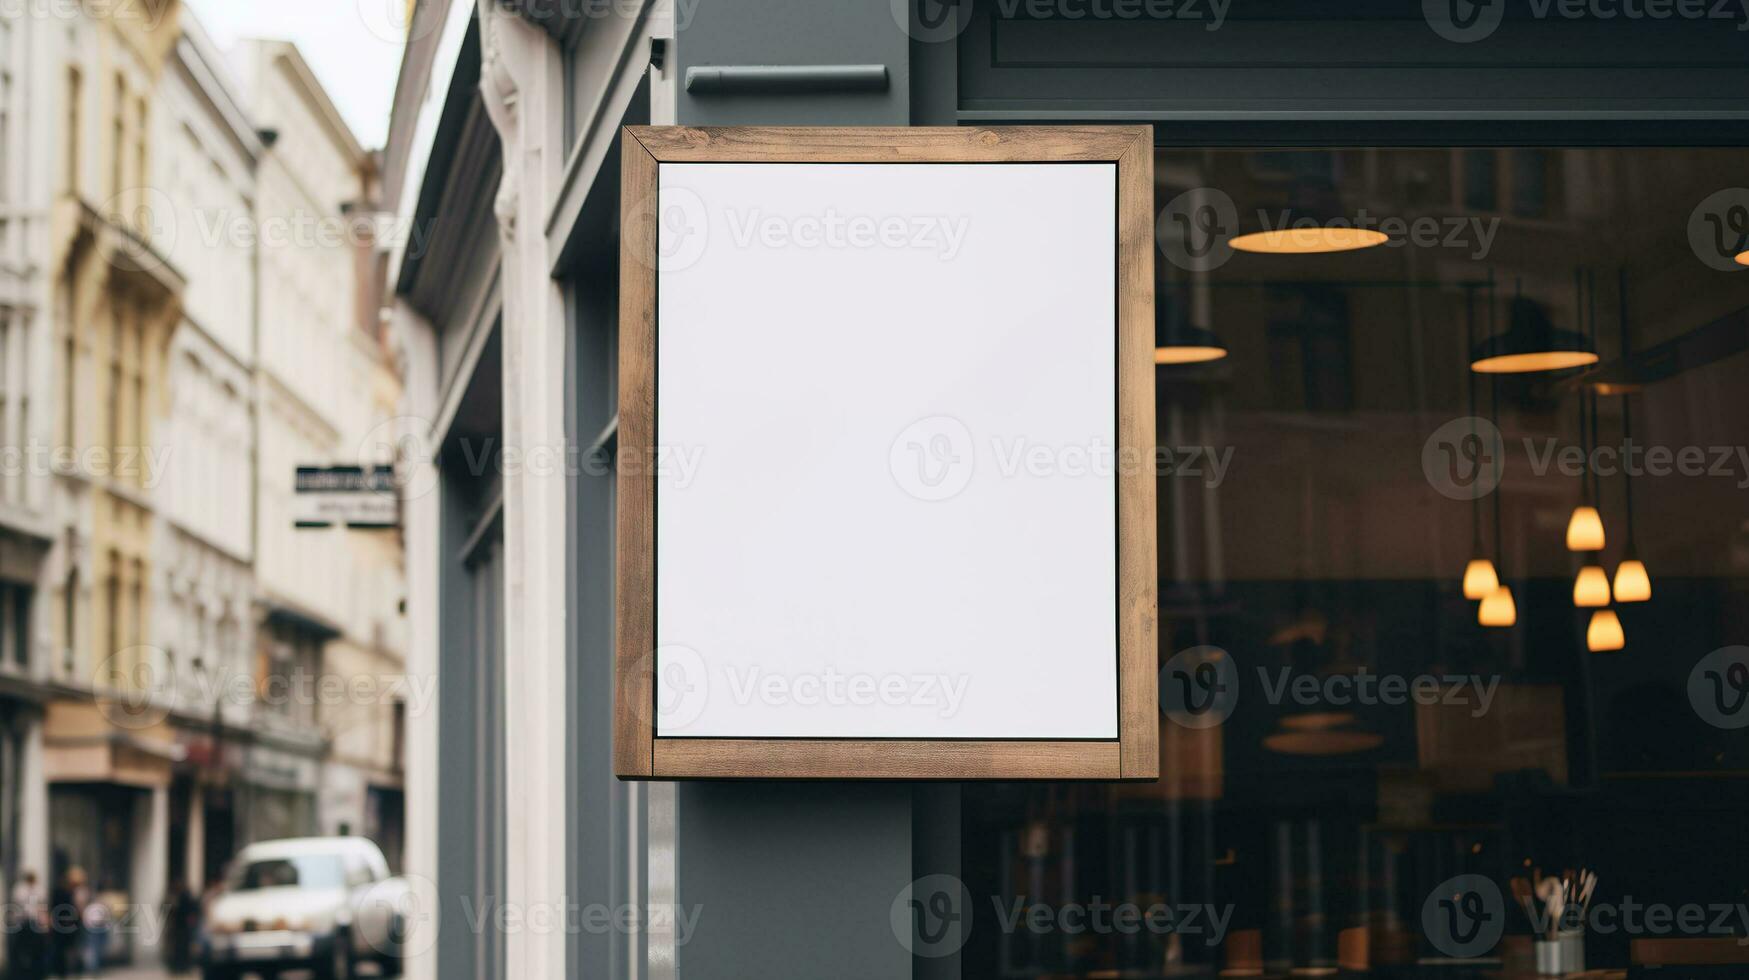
column 1556, row 907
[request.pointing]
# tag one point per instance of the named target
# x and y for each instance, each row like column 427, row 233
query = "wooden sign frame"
column 638, row 752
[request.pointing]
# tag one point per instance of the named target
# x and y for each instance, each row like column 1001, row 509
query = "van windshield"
column 304, row 871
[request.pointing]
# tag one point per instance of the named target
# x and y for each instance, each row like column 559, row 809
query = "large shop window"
column 1454, row 560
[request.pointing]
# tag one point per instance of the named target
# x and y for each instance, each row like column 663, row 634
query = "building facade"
column 117, row 302
column 328, row 598
column 187, row 313
column 506, row 327
column 204, row 611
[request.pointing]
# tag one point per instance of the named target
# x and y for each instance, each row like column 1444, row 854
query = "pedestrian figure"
column 26, row 920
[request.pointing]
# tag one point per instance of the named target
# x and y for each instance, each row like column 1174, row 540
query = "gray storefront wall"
column 796, row 880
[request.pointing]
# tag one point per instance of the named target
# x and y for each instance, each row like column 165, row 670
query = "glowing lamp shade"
column 1498, row 609
column 1585, row 529
column 1177, row 341
column 1632, row 584
column 1591, row 588
column 1531, row 342
column 1189, row 354
column 1480, row 579
column 1310, row 240
column 1742, row 258
column 1604, row 633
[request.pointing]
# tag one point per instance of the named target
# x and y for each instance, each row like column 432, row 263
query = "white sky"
column 353, row 46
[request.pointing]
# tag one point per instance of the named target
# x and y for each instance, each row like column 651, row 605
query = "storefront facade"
column 1305, row 526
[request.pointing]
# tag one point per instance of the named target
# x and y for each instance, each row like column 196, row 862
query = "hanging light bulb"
column 1498, row 609
column 1585, row 529
column 1632, row 584
column 1480, row 578
column 1604, row 633
column 1591, row 588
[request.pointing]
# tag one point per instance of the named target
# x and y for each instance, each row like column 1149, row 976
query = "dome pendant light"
column 1604, row 634
column 1585, row 527
column 1309, row 240
column 1632, row 584
column 1480, row 579
column 1531, row 342
column 1498, row 608
column 1177, row 341
column 1591, row 587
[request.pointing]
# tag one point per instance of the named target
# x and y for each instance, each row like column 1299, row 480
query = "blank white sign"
column 886, row 480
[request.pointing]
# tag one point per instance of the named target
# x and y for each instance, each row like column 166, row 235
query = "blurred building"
column 205, row 165
column 116, row 303
column 327, row 598
column 188, row 291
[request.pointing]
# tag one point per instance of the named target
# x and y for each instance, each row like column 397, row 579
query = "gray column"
column 797, row 879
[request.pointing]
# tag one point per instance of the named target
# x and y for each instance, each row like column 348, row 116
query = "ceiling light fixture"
column 1604, row 633
column 1591, row 587
column 1585, row 526
column 1177, row 341
column 1480, row 578
column 1632, row 584
column 1498, row 609
column 1309, row 240
column 1531, row 342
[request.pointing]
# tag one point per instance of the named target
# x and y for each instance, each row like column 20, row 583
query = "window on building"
column 112, row 611
column 1315, row 803
column 118, row 139
column 6, row 189
column 137, row 603
column 69, row 361
column 69, row 617
column 14, row 624
column 139, row 155
column 116, row 389
column 75, row 99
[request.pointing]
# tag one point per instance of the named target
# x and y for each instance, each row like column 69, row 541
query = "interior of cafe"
column 1453, row 529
